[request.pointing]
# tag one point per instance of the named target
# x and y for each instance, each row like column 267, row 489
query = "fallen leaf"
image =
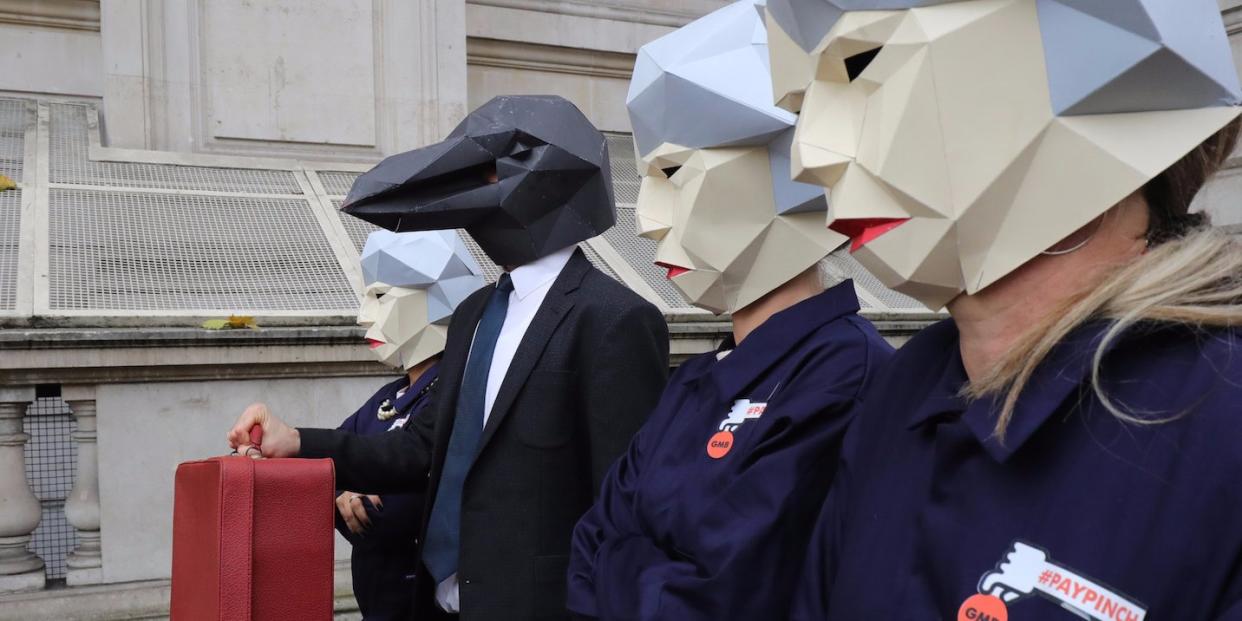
column 234, row 322
column 242, row 321
column 7, row 183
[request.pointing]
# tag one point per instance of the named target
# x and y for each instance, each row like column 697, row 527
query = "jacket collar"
column 407, row 399
column 1066, row 369
column 768, row 344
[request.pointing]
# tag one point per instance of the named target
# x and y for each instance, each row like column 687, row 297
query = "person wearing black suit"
column 545, row 377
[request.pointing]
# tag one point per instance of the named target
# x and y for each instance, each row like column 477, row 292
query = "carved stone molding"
column 1233, row 19
column 670, row 14
column 552, row 58
column 70, row 14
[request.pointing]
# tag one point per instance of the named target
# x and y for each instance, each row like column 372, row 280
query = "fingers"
column 353, row 512
column 278, row 439
column 991, row 586
column 375, row 500
column 342, row 506
column 239, row 435
column 360, row 511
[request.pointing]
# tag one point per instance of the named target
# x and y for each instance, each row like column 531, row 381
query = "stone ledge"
column 128, row 601
column 21, row 583
column 103, row 338
column 129, row 355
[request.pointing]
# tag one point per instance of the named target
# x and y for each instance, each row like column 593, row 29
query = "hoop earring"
column 1057, row 253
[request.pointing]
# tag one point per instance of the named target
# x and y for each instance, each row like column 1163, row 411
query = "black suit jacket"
column 588, row 371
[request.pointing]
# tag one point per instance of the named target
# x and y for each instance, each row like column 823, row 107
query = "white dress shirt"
column 531, row 283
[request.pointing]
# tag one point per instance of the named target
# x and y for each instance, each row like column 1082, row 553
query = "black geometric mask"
column 552, row 187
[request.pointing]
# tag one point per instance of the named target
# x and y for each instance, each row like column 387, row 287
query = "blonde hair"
column 1191, row 275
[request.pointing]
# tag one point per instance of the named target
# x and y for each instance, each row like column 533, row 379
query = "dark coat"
column 1124, row 521
column 587, row 373
column 694, row 528
column 385, row 558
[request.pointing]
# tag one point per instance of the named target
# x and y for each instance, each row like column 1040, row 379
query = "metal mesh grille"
column 13, row 121
column 337, row 183
column 491, row 271
column 625, row 179
column 10, row 234
column 12, row 137
column 357, row 228
column 640, row 253
column 598, row 262
column 863, row 279
column 70, row 164
column 120, row 250
column 51, row 456
column 132, row 251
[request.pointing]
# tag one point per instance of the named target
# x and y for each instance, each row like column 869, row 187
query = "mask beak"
column 447, row 185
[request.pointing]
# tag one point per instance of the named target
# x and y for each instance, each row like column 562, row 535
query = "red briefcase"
column 252, row 540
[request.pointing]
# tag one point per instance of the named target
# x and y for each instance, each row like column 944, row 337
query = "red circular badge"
column 980, row 607
column 720, row 444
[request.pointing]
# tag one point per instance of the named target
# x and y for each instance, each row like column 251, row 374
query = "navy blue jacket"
column 385, row 558
column 680, row 534
column 1075, row 507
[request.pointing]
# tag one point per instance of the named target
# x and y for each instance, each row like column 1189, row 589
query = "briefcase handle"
column 256, row 441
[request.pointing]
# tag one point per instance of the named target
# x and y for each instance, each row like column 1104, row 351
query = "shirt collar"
column 773, row 339
column 535, row 275
column 1062, row 373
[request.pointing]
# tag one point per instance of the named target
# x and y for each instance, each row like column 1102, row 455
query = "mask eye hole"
column 523, row 146
column 379, row 295
column 669, row 172
column 856, row 64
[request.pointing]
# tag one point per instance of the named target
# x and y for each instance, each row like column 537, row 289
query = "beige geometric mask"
column 397, row 328
column 414, row 283
column 714, row 157
column 961, row 140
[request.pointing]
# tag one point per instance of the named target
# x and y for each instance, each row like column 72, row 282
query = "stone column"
column 85, row 563
column 20, row 511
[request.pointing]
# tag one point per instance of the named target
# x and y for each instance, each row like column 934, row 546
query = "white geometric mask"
column 963, row 138
column 714, row 156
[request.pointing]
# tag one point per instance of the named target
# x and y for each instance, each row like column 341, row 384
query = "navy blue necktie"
column 440, row 550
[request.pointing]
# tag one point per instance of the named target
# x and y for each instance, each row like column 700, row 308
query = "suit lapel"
column 456, row 350
column 556, row 305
